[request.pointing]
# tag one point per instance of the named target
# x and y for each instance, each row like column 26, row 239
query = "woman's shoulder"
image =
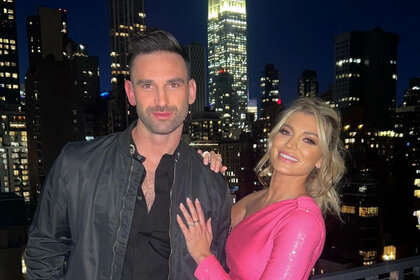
column 239, row 209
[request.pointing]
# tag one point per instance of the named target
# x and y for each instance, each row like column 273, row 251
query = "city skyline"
column 290, row 37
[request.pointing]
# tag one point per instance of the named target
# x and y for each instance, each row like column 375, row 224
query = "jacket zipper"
column 122, row 208
column 170, row 213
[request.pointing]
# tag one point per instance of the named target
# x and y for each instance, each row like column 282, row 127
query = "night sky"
column 291, row 34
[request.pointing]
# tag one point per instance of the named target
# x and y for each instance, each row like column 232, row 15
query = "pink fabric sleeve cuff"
column 210, row 268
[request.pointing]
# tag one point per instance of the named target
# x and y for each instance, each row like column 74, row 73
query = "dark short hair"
column 155, row 40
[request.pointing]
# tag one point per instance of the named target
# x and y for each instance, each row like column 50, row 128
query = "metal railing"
column 402, row 269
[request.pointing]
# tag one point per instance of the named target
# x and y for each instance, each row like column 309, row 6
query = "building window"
column 368, row 211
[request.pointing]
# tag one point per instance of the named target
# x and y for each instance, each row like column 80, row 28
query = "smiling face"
column 295, row 150
column 161, row 91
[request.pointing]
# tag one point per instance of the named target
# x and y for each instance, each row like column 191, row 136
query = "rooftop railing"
column 402, row 269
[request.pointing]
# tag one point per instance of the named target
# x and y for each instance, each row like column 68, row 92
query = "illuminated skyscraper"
column 9, row 71
column 227, row 50
column 14, row 175
column 127, row 16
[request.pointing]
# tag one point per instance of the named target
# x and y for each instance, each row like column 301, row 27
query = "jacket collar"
column 124, row 141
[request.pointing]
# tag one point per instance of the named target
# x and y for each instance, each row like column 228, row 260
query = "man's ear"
column 192, row 91
column 129, row 90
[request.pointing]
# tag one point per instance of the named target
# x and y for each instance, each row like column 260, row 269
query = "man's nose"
column 161, row 98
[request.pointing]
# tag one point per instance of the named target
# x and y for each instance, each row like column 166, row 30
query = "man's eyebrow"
column 176, row 80
column 140, row 82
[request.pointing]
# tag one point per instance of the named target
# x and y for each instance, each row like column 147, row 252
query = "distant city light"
column 104, row 94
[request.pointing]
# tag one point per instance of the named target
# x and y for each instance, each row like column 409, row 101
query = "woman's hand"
column 215, row 161
column 198, row 233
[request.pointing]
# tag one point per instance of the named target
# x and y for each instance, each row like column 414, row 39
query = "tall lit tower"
column 127, row 16
column 227, row 50
column 9, row 72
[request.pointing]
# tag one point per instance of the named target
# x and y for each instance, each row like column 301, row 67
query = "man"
column 108, row 208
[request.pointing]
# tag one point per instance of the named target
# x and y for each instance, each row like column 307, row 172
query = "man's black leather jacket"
column 82, row 223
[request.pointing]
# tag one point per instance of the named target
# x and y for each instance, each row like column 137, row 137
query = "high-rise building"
column 223, row 86
column 366, row 76
column 308, row 84
column 197, row 56
column 9, row 70
column 14, row 177
column 270, row 89
column 61, row 91
column 47, row 34
column 127, row 17
column 227, row 51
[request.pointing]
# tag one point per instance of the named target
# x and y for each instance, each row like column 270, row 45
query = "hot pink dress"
column 281, row 241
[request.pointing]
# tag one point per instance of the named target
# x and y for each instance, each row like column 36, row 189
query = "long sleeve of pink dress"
column 281, row 241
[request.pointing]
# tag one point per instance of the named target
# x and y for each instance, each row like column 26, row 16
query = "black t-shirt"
column 148, row 247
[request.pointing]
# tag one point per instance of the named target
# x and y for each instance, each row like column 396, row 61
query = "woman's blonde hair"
column 321, row 183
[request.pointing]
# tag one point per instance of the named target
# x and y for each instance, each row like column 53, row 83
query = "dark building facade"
column 270, row 89
column 308, row 85
column 222, row 86
column 197, row 56
column 62, row 90
column 9, row 64
column 366, row 76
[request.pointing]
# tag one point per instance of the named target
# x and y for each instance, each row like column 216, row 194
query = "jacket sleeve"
column 49, row 237
column 296, row 247
column 221, row 223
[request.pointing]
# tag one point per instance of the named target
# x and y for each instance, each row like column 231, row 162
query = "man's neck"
column 153, row 146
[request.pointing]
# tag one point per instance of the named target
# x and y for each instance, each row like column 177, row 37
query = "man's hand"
column 215, row 161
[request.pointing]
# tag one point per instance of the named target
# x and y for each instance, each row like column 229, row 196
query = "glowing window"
column 368, row 211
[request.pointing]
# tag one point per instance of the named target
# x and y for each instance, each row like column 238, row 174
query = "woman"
column 279, row 232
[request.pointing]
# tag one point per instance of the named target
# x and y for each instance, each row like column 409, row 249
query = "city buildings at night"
column 366, row 76
column 227, row 51
column 308, row 85
column 9, row 65
column 127, row 17
column 14, row 176
column 61, row 91
column 380, row 192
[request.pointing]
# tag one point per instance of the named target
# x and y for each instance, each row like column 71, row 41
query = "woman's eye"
column 284, row 131
column 309, row 141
